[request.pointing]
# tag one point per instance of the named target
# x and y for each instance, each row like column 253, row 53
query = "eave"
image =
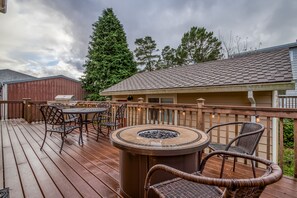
column 208, row 89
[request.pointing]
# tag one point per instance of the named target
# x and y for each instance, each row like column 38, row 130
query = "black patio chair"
column 246, row 142
column 55, row 122
column 70, row 118
column 198, row 185
column 101, row 117
column 116, row 122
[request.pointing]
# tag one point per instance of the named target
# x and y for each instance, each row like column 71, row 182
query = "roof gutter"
column 211, row 89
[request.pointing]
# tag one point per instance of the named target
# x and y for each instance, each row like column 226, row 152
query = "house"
column 249, row 79
column 16, row 86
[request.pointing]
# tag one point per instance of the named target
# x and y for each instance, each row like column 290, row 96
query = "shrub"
column 289, row 133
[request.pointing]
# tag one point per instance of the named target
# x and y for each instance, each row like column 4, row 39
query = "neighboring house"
column 16, row 86
column 250, row 79
column 7, row 75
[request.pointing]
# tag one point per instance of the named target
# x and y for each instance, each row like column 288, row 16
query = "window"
column 155, row 114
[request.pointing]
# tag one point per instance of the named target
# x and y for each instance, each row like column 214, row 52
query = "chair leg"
column 108, row 130
column 234, row 164
column 222, row 168
column 98, row 131
column 253, row 167
column 43, row 141
column 62, row 137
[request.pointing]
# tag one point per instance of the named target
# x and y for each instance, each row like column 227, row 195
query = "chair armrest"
column 224, row 124
column 233, row 154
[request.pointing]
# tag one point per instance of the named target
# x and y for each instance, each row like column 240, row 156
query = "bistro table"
column 143, row 146
column 83, row 117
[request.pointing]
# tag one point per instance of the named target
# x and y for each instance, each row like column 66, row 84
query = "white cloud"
column 35, row 36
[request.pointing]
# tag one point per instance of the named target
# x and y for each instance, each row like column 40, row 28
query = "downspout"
column 275, row 128
column 253, row 103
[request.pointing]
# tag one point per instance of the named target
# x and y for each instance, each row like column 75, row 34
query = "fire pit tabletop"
column 187, row 140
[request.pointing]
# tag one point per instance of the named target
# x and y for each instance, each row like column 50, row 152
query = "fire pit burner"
column 158, row 134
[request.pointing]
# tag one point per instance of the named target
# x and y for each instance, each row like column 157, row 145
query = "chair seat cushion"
column 217, row 146
column 183, row 188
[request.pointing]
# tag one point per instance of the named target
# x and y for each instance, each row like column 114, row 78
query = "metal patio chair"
column 116, row 122
column 70, row 118
column 101, row 117
column 246, row 142
column 197, row 185
column 54, row 120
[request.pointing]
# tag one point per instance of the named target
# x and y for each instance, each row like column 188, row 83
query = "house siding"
column 263, row 99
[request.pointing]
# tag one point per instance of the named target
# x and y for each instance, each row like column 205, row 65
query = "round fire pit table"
column 143, row 146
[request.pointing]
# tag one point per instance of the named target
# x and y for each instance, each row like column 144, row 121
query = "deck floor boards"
column 91, row 170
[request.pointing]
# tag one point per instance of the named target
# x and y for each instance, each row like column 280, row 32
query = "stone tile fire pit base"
column 139, row 153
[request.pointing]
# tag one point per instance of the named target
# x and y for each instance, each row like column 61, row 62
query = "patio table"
column 83, row 116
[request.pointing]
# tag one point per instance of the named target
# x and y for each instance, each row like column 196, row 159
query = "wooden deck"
column 91, row 170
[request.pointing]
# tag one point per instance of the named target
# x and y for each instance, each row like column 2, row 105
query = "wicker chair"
column 117, row 121
column 55, row 122
column 197, row 185
column 246, row 142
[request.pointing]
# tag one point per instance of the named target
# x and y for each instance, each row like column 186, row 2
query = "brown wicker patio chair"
column 117, row 121
column 246, row 142
column 196, row 185
column 55, row 122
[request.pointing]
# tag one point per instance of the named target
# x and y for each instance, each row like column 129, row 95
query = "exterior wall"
column 45, row 89
column 124, row 97
column 263, row 99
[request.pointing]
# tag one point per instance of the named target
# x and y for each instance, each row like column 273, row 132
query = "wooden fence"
column 202, row 117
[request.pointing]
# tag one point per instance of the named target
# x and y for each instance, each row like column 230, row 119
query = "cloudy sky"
column 50, row 37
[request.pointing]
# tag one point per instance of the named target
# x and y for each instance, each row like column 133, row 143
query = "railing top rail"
column 10, row 101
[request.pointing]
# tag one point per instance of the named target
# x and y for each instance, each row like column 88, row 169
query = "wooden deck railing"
column 11, row 109
column 288, row 101
column 27, row 109
column 202, row 117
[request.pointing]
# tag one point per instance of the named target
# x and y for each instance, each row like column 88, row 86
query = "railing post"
column 27, row 109
column 139, row 111
column 200, row 118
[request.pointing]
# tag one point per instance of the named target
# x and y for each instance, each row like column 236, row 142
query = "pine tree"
column 198, row 45
column 109, row 59
column 145, row 53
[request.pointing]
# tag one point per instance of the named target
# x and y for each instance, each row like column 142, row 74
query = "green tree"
column 109, row 60
column 145, row 53
column 198, row 45
column 168, row 58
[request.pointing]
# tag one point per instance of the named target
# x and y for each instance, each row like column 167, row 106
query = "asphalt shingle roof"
column 262, row 67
